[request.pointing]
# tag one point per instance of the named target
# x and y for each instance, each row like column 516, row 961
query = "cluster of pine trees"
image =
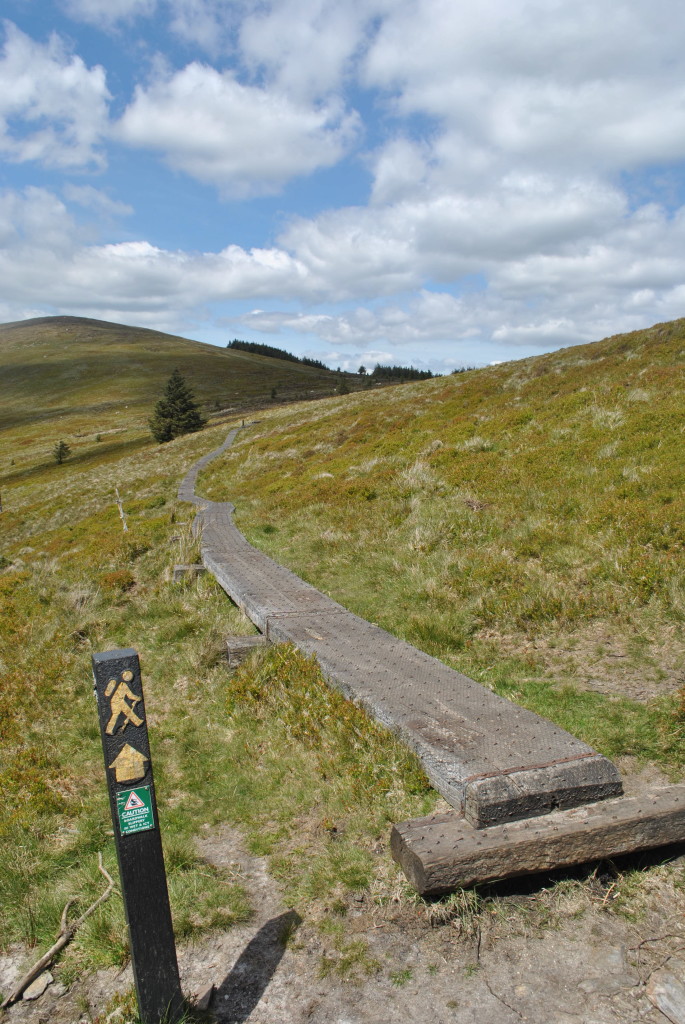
column 275, row 353
column 399, row 373
column 379, row 372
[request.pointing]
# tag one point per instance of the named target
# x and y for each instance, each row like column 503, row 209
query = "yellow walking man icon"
column 120, row 693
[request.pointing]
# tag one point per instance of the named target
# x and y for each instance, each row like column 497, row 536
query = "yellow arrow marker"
column 129, row 764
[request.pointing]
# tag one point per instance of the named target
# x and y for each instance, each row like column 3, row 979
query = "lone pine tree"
column 176, row 412
column 60, row 452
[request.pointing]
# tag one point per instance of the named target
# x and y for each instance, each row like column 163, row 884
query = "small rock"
column 10, row 969
column 59, row 990
column 37, row 987
column 615, row 959
column 667, row 993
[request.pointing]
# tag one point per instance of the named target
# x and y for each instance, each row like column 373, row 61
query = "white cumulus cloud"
column 548, row 84
column 442, row 234
column 308, row 47
column 204, row 23
column 95, row 199
column 429, row 315
column 45, row 253
column 53, row 109
column 244, row 139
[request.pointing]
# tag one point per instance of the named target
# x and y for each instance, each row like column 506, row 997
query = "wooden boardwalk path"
column 491, row 759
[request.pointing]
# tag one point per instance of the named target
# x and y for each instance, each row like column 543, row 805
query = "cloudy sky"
column 432, row 182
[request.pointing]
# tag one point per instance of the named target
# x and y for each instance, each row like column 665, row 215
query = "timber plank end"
column 181, row 572
column 442, row 852
column 238, row 647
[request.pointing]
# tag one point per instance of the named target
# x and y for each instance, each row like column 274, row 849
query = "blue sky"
column 414, row 181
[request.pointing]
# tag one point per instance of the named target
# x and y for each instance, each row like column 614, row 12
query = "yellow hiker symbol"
column 121, row 693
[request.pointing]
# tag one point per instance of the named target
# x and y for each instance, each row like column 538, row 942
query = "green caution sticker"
column 134, row 807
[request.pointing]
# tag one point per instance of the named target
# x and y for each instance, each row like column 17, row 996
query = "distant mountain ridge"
column 37, row 321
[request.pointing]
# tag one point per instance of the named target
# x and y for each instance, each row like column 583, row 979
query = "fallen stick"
column 66, row 933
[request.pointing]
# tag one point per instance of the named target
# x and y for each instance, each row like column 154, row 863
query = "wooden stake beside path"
column 123, row 728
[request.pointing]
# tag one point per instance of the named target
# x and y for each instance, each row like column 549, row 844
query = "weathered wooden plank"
column 238, row 648
column 491, row 759
column 443, row 852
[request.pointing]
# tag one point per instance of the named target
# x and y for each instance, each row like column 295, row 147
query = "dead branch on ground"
column 66, row 933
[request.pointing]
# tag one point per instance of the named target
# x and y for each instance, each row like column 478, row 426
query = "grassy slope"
column 524, row 523
column 74, row 378
column 457, row 545
column 71, row 582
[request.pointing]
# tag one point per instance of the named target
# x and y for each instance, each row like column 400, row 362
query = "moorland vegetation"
column 524, row 523
column 72, row 582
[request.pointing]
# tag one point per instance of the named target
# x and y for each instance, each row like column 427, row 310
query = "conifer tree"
column 176, row 412
column 60, row 452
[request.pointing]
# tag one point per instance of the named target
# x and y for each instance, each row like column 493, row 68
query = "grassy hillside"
column 71, row 583
column 524, row 523
column 77, row 379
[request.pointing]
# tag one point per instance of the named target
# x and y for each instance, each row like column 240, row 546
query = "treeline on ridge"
column 275, row 353
column 379, row 372
column 402, row 372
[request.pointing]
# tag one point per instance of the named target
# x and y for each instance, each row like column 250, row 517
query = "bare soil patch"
column 587, row 949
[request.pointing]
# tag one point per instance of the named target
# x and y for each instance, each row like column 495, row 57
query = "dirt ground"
column 587, row 952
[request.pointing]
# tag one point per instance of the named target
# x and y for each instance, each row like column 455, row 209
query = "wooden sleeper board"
column 442, row 852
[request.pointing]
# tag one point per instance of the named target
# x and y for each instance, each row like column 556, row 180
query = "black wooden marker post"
column 123, row 728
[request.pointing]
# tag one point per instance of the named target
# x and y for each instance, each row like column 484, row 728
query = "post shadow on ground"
column 242, row 988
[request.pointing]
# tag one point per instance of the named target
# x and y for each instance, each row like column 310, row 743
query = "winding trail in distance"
column 491, row 759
